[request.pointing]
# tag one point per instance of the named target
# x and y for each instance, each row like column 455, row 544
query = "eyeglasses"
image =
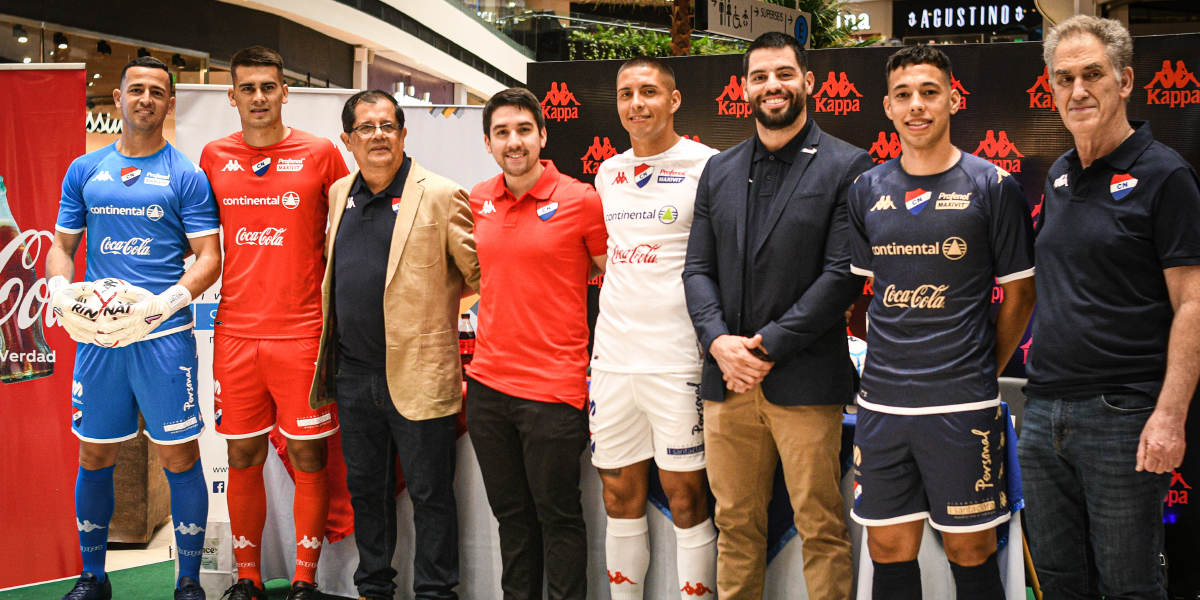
column 367, row 130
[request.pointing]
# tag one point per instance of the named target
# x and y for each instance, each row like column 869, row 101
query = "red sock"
column 311, row 511
column 247, row 499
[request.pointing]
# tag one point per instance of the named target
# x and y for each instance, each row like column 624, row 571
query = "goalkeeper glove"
column 142, row 317
column 76, row 317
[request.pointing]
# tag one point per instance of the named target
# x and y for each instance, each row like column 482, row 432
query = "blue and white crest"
column 545, row 212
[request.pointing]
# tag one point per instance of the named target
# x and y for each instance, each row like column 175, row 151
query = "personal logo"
column 641, row 174
column 1041, row 95
column 732, row 101
column 885, row 148
column 1121, row 185
column 597, row 153
column 670, row 176
column 834, row 95
column 620, row 178
column 488, row 207
column 290, row 200
column 396, row 205
column 884, row 203
column 668, row 214
column 232, row 165
column 154, row 212
column 916, row 200
column 102, row 176
column 996, row 148
column 955, row 84
column 1061, row 181
column 557, row 103
column 545, row 211
column 130, row 175
column 952, row 201
column 1169, row 86
column 954, row 248
column 261, row 165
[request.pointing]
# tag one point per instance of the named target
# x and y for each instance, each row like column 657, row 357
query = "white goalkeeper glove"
column 142, row 317
column 76, row 317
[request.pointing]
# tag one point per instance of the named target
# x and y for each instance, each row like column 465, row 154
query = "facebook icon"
column 218, row 487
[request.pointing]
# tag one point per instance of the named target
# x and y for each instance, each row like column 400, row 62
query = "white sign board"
column 748, row 19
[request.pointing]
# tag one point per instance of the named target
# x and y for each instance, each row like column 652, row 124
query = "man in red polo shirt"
column 539, row 234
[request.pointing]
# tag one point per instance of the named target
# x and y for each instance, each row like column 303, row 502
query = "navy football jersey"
column 935, row 245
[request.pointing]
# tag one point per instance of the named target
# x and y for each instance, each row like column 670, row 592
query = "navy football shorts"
column 946, row 467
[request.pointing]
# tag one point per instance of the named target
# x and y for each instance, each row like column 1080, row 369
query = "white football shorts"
column 638, row 416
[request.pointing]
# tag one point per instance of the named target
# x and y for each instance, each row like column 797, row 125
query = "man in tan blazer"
column 400, row 254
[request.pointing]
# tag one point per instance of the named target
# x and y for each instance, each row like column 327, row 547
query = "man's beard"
column 781, row 121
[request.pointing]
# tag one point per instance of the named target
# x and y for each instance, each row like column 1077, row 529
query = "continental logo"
column 952, row 201
column 925, row 296
column 996, row 148
column 1169, row 86
column 732, row 101
column 954, row 248
column 906, row 249
column 1041, row 95
column 955, row 84
column 884, row 203
column 557, row 105
column 885, row 148
column 597, row 153
column 833, row 97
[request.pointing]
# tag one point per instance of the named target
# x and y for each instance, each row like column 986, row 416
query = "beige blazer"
column 431, row 263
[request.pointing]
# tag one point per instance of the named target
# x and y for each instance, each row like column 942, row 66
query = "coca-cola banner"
column 42, row 114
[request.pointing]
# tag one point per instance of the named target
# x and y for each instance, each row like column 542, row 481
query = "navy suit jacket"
column 802, row 264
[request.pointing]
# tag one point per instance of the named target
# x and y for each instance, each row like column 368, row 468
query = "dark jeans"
column 1094, row 523
column 373, row 432
column 529, row 454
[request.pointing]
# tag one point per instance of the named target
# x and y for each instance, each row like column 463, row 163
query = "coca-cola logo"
column 271, row 236
column 640, row 254
column 131, row 247
column 22, row 295
column 925, row 296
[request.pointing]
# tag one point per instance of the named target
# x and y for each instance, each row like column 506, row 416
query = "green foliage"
column 825, row 32
column 624, row 42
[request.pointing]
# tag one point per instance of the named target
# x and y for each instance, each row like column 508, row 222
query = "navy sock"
column 979, row 583
column 94, row 501
column 189, row 513
column 897, row 581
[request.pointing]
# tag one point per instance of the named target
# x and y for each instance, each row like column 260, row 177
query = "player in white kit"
column 646, row 361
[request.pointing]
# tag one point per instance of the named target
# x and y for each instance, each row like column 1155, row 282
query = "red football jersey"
column 274, row 204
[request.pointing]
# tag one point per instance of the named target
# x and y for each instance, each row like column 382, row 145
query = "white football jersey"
column 644, row 325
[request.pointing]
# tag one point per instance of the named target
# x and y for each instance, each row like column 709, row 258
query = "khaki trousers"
column 745, row 437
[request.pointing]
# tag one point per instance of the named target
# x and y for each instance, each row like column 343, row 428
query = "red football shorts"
column 258, row 383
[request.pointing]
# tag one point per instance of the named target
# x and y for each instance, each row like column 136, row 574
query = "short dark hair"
column 369, row 97
column 514, row 96
column 649, row 62
column 920, row 54
column 148, row 62
column 256, row 56
column 775, row 39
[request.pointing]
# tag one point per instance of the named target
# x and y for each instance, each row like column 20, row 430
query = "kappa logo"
column 916, row 200
column 597, row 153
column 996, row 148
column 955, row 84
column 87, row 526
column 620, row 178
column 102, row 176
column 240, row 541
column 696, row 589
column 130, row 175
column 312, row 543
column 232, row 165
column 488, row 207
column 1121, row 185
column 884, row 203
column 954, row 248
column 189, row 529
column 1179, row 78
column 641, row 174
column 885, row 148
column 261, row 165
column 618, row 578
column 1061, row 181
column 556, row 105
column 832, row 97
column 732, row 101
column 350, row 203
column 1041, row 95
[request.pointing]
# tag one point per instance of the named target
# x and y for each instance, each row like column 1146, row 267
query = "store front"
column 965, row 21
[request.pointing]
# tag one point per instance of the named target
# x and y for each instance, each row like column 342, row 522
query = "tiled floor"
column 160, row 548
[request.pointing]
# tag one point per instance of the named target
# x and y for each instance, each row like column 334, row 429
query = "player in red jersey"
column 271, row 183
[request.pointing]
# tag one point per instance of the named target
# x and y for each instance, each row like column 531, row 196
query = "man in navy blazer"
column 768, row 280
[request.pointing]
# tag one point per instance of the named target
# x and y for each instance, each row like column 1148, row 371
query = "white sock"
column 627, row 550
column 696, row 559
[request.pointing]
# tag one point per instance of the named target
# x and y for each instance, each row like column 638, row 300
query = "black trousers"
column 529, row 454
column 373, row 433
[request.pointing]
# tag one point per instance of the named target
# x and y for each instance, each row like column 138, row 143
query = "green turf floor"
column 151, row 582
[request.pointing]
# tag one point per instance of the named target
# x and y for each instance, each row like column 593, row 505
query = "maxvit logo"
column 885, row 148
column 833, row 95
column 732, row 100
column 1168, row 85
column 1041, row 95
column 597, row 153
column 556, row 105
column 996, row 148
column 955, row 84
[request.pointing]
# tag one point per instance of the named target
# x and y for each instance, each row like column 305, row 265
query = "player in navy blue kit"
column 935, row 228
column 144, row 206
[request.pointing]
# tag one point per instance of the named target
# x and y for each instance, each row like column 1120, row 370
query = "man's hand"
column 143, row 317
column 740, row 368
column 1162, row 444
column 76, row 317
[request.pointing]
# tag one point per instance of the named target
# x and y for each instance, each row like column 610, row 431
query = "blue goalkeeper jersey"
column 139, row 214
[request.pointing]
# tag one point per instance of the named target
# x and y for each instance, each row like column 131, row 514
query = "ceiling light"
column 20, row 33
column 102, row 47
column 96, row 76
column 60, row 40
column 143, row 52
column 27, row 60
column 177, row 61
